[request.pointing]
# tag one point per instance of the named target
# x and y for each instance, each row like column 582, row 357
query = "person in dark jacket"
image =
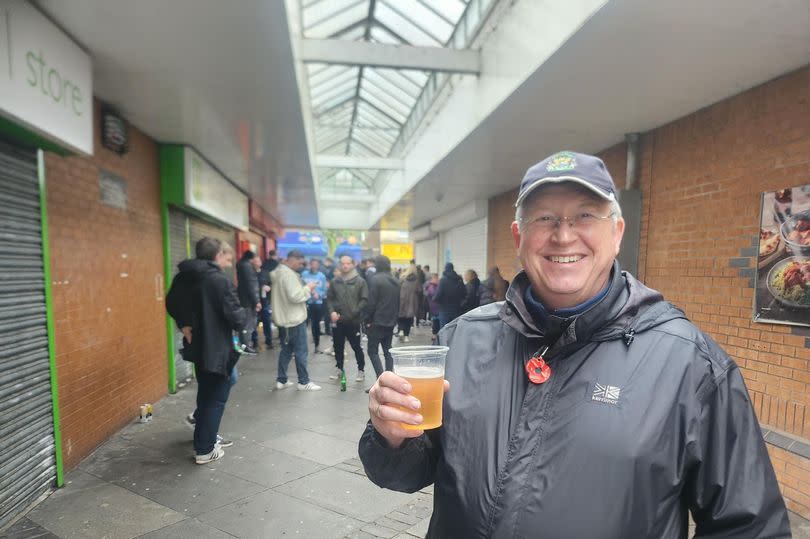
column 265, row 292
column 410, row 295
column 347, row 299
column 472, row 286
column 585, row 405
column 433, row 308
column 247, row 276
column 206, row 308
column 450, row 295
column 328, row 270
column 493, row 288
column 381, row 313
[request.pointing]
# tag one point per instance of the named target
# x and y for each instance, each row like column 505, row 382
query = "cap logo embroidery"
column 562, row 161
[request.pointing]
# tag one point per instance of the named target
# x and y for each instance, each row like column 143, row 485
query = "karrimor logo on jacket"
column 606, row 394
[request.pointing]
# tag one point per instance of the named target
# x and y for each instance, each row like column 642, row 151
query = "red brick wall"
column 500, row 247
column 701, row 178
column 110, row 336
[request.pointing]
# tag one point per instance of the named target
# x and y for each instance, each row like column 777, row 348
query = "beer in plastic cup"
column 423, row 368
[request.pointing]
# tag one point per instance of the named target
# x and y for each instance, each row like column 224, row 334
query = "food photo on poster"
column 782, row 293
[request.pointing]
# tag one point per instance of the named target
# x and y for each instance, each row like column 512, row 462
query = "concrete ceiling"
column 635, row 65
column 216, row 75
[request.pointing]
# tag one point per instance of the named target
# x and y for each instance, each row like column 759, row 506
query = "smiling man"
column 584, row 405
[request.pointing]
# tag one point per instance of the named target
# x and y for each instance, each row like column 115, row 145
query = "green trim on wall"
column 173, row 174
column 172, row 191
column 46, row 266
column 26, row 137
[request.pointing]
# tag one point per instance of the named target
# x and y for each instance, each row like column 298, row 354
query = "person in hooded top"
column 205, row 306
column 450, row 295
column 382, row 312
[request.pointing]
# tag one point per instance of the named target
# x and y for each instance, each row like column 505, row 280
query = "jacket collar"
column 348, row 277
column 625, row 309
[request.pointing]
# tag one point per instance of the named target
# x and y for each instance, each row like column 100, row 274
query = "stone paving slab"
column 346, row 493
column 272, row 514
column 190, row 528
column 313, row 446
column 100, row 509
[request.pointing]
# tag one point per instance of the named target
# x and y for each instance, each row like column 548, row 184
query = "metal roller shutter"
column 467, row 247
column 426, row 253
column 178, row 249
column 27, row 459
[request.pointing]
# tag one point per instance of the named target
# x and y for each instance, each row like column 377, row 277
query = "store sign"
column 46, row 82
column 211, row 193
column 397, row 251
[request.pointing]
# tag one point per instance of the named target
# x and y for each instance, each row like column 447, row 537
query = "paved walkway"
column 293, row 471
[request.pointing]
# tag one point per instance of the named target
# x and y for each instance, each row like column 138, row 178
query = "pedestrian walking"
column 290, row 297
column 449, row 295
column 247, row 274
column 315, row 304
column 410, row 295
column 382, row 313
column 347, row 299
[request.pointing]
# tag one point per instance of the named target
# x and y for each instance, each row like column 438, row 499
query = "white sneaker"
column 406, row 339
column 401, row 334
column 216, row 453
column 335, row 375
column 329, row 351
column 284, row 385
column 311, row 386
column 361, row 376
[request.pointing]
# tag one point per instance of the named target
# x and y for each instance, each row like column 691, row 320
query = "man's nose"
column 564, row 232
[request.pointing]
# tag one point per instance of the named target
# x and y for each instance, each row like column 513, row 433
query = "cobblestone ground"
column 293, row 471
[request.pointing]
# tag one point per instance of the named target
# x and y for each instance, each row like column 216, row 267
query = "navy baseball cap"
column 580, row 168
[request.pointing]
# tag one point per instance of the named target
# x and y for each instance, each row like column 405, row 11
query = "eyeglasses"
column 581, row 222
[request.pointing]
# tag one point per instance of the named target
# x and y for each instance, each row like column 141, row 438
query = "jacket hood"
column 197, row 266
column 628, row 308
column 383, row 264
column 411, row 277
column 450, row 274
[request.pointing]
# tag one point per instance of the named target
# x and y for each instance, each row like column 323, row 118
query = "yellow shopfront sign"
column 397, row 251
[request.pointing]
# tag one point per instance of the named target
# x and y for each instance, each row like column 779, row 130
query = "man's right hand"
column 312, row 285
column 186, row 333
column 390, row 405
column 334, row 317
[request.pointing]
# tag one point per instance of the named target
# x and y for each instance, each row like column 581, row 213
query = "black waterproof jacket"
column 450, row 294
column 348, row 297
column 247, row 284
column 383, row 299
column 643, row 419
column 201, row 296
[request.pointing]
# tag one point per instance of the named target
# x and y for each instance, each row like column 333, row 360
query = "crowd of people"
column 350, row 302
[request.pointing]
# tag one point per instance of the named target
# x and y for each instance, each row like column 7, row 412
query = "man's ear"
column 618, row 233
column 516, row 234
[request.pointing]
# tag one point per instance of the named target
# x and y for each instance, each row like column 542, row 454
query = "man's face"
column 346, row 264
column 328, row 263
column 567, row 266
column 314, row 266
column 224, row 260
column 296, row 264
column 257, row 263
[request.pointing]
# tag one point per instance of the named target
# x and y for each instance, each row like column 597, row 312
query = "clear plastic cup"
column 423, row 367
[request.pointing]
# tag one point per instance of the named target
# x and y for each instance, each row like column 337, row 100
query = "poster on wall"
column 782, row 292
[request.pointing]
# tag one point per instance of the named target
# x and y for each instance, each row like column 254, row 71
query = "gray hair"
column 615, row 210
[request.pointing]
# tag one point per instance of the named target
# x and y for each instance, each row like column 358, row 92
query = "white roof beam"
column 345, row 161
column 362, row 53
